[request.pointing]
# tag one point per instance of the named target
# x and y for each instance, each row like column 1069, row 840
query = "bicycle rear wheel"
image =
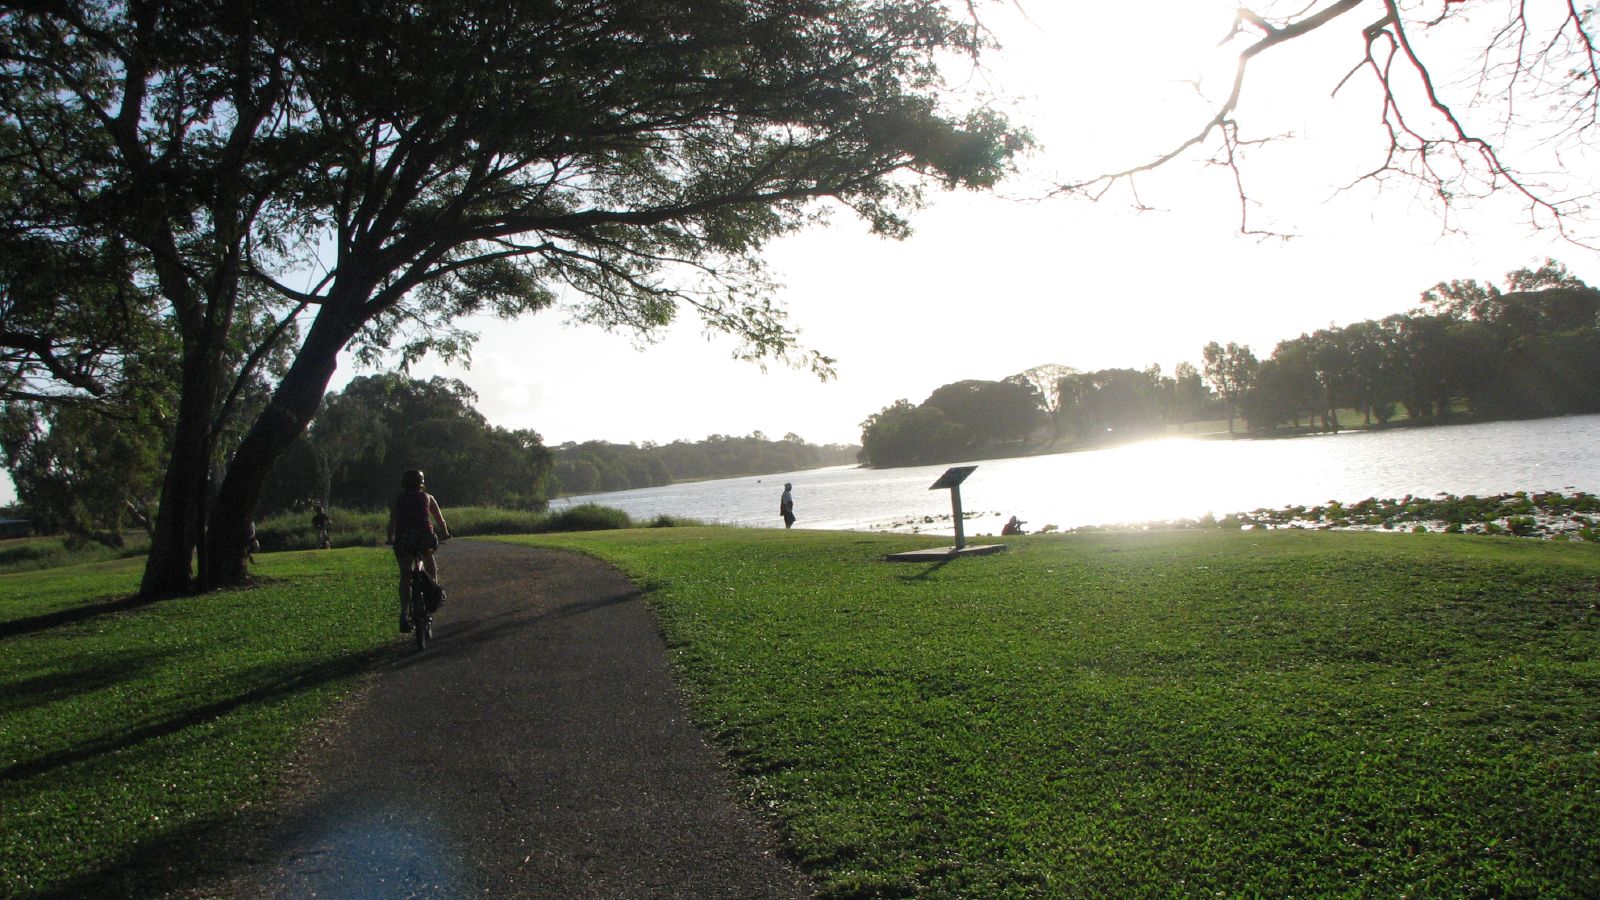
column 421, row 621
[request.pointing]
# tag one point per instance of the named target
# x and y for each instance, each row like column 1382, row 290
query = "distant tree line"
column 81, row 472
column 1039, row 408
column 595, row 466
column 1470, row 350
column 366, row 435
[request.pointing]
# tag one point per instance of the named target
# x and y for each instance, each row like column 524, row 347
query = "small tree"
column 1044, row 381
column 1230, row 371
column 1190, row 394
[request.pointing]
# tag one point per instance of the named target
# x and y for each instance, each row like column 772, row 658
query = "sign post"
column 952, row 479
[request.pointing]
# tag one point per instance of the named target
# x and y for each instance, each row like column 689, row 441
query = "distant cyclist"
column 411, row 530
column 322, row 522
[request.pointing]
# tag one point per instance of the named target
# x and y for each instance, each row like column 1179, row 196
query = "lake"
column 1162, row 480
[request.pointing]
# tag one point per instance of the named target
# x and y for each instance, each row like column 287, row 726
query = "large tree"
column 435, row 159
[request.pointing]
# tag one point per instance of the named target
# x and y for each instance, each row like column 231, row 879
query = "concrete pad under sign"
column 939, row 554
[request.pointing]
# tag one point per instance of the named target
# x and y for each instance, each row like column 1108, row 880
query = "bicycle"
column 421, row 615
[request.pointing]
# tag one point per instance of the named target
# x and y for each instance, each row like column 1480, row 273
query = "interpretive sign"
column 952, row 479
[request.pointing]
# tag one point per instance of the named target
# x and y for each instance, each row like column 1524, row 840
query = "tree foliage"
column 1118, row 405
column 957, row 421
column 81, row 472
column 906, row 434
column 379, row 426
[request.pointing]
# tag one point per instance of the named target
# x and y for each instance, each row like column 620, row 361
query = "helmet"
column 412, row 480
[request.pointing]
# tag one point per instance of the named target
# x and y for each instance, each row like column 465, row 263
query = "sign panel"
column 952, row 477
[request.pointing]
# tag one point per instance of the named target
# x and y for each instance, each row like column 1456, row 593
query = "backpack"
column 432, row 593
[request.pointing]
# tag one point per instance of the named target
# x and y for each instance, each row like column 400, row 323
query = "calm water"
column 1160, row 480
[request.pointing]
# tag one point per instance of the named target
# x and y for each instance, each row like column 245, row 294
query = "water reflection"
column 1178, row 478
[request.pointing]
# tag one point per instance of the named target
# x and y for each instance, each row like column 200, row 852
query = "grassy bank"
column 1270, row 713
column 127, row 732
column 1265, row 713
column 31, row 554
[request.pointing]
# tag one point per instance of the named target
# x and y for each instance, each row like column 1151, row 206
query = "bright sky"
column 991, row 285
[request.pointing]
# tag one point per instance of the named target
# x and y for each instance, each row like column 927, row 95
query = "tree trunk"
column 168, row 570
column 293, row 405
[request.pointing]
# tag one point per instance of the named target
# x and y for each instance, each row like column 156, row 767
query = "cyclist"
column 411, row 529
column 321, row 522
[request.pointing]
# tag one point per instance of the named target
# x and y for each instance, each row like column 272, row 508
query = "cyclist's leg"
column 429, row 565
column 404, row 563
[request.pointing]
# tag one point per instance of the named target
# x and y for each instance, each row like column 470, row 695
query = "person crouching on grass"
column 411, row 521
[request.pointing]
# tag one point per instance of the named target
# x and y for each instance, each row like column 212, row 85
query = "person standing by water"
column 786, row 505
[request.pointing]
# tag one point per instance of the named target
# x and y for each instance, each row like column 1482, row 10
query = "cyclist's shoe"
column 405, row 624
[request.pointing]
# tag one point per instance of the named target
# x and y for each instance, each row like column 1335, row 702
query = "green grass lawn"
column 1266, row 713
column 128, row 733
column 1269, row 714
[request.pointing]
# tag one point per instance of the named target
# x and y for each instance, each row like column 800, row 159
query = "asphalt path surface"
column 538, row 748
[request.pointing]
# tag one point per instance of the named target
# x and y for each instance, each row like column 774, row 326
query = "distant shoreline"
column 1053, row 447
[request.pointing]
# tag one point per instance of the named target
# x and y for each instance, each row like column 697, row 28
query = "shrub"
column 33, row 553
column 588, row 517
column 489, row 520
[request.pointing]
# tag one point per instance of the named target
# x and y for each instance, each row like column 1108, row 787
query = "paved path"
column 537, row 749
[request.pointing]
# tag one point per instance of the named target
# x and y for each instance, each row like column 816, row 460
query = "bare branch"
column 1275, row 35
column 1551, row 60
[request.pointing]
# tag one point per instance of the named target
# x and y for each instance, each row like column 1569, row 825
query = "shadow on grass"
column 79, row 675
column 47, row 621
column 925, row 574
column 212, row 847
column 273, row 683
column 183, row 863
